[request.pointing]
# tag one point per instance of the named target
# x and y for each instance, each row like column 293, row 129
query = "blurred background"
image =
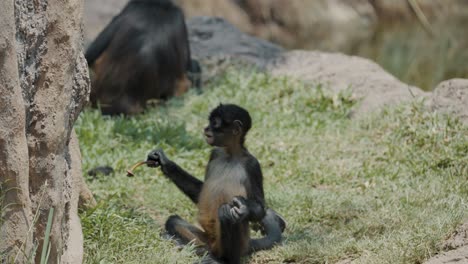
column 421, row 42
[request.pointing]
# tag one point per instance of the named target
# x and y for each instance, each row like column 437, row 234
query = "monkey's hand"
column 239, row 210
column 157, row 158
column 228, row 214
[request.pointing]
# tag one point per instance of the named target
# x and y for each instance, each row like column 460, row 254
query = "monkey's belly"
column 211, row 198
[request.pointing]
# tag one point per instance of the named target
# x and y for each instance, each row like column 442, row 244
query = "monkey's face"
column 216, row 133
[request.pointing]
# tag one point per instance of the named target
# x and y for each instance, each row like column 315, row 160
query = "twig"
column 421, row 17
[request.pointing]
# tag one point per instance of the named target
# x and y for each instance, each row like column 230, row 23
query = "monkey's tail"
column 273, row 226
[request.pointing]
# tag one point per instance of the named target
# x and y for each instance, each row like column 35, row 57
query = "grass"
column 385, row 189
column 20, row 252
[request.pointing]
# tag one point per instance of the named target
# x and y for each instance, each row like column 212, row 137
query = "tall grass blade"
column 45, row 245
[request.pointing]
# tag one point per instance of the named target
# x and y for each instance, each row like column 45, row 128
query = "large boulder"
column 367, row 81
column 451, row 97
column 212, row 37
column 44, row 85
column 217, row 44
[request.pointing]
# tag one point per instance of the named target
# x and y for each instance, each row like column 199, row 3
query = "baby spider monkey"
column 230, row 197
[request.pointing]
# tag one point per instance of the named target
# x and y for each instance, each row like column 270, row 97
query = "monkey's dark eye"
column 216, row 123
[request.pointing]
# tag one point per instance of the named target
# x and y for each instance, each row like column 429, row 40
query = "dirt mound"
column 451, row 97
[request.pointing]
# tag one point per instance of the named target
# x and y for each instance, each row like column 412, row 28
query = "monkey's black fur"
column 230, row 197
column 142, row 53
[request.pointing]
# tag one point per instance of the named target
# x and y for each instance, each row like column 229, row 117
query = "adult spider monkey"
column 143, row 53
column 231, row 195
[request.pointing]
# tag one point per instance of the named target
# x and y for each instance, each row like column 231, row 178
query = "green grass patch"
column 385, row 189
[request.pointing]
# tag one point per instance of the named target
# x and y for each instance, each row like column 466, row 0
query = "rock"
column 457, row 256
column 212, row 37
column 337, row 72
column 457, row 246
column 217, row 44
column 451, row 97
column 85, row 197
column 44, row 85
column 458, row 239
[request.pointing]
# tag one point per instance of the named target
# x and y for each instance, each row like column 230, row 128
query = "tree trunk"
column 43, row 87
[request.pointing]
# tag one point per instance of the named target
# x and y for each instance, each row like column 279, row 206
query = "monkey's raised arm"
column 188, row 184
column 97, row 47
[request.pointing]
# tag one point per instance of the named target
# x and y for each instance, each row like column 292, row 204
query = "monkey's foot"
column 281, row 221
column 272, row 215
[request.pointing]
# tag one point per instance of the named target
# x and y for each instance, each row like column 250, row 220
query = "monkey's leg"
column 185, row 233
column 233, row 237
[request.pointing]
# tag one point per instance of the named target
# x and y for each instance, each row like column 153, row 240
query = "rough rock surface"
column 337, row 72
column 458, row 238
column 44, row 85
column 14, row 167
column 456, row 256
column 457, row 246
column 214, row 37
column 451, row 97
column 218, row 44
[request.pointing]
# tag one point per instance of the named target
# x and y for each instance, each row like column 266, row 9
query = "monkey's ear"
column 238, row 126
